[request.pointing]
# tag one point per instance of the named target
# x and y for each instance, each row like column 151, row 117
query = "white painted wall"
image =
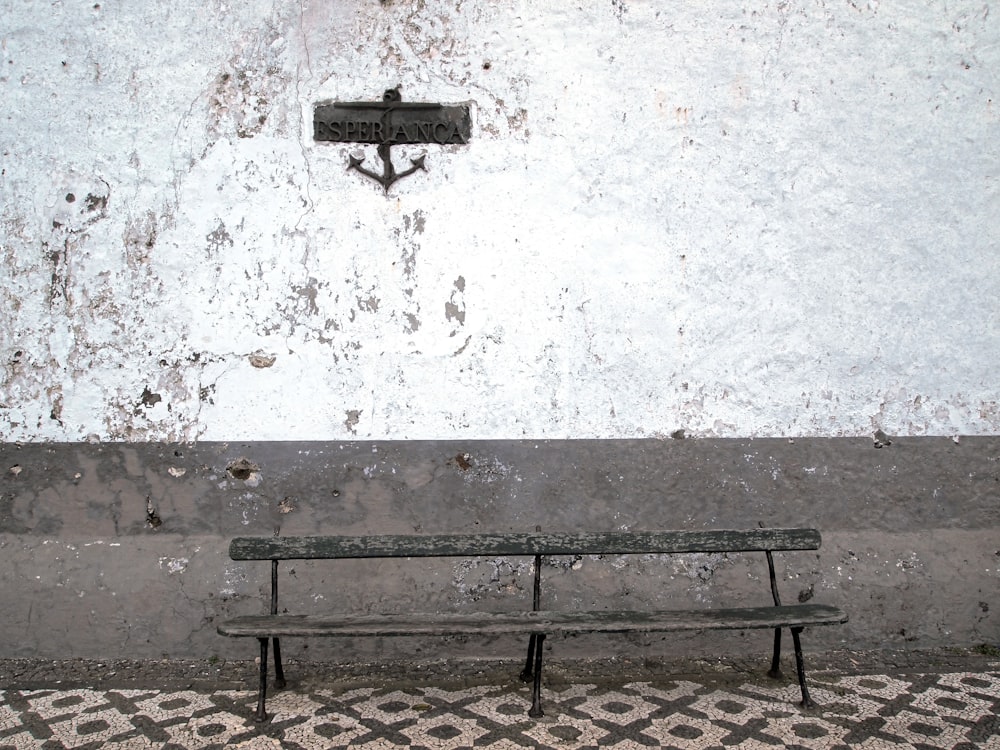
column 731, row 218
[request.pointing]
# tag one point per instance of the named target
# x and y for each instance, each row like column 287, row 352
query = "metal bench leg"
column 262, row 689
column 279, row 673
column 527, row 673
column 535, row 712
column 800, row 668
column 536, row 602
column 775, row 671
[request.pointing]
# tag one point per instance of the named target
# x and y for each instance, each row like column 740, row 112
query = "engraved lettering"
column 389, row 123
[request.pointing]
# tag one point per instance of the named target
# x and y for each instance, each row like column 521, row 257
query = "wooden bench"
column 537, row 623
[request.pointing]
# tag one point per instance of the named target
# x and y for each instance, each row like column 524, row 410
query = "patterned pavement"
column 954, row 710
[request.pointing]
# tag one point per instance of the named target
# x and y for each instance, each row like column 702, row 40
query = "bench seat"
column 542, row 621
column 536, row 623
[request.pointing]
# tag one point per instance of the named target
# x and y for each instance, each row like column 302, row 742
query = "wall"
column 754, row 224
column 736, row 220
column 121, row 549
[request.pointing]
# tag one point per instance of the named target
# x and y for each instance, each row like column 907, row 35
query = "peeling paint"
column 261, row 361
column 474, row 580
column 782, row 264
column 353, row 418
column 246, row 471
column 174, row 564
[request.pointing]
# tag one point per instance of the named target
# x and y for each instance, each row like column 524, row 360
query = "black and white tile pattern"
column 955, row 710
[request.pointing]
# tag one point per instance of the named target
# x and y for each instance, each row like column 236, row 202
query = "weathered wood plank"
column 473, row 545
column 547, row 622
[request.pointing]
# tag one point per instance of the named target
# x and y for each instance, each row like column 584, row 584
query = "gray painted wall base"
column 119, row 550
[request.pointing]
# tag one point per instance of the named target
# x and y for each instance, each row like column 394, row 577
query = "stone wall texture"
column 735, row 219
column 121, row 549
column 770, row 227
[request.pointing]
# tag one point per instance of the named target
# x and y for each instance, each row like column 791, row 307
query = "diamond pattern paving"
column 958, row 711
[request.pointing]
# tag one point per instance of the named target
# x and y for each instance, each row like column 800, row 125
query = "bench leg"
column 775, row 671
column 262, row 689
column 279, row 673
column 527, row 672
column 800, row 668
column 535, row 712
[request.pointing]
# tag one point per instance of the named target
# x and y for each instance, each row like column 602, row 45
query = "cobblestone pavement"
column 941, row 710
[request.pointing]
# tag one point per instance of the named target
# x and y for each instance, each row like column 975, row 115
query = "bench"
column 538, row 622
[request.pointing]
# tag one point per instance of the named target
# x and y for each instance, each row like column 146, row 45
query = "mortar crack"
column 305, row 156
column 305, row 37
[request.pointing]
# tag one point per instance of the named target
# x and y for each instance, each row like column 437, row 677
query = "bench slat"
column 472, row 545
column 455, row 623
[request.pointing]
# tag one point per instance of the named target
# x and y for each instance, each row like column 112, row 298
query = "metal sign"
column 389, row 123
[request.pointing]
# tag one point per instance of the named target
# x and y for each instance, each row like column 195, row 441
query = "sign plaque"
column 389, row 123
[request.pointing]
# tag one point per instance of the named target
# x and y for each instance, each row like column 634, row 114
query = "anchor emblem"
column 389, row 174
column 391, row 99
column 389, row 123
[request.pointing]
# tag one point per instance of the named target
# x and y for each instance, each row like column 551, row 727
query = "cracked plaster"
column 752, row 221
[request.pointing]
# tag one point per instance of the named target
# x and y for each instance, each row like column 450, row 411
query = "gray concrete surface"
column 119, row 550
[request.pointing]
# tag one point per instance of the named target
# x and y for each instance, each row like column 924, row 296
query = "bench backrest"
column 533, row 543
